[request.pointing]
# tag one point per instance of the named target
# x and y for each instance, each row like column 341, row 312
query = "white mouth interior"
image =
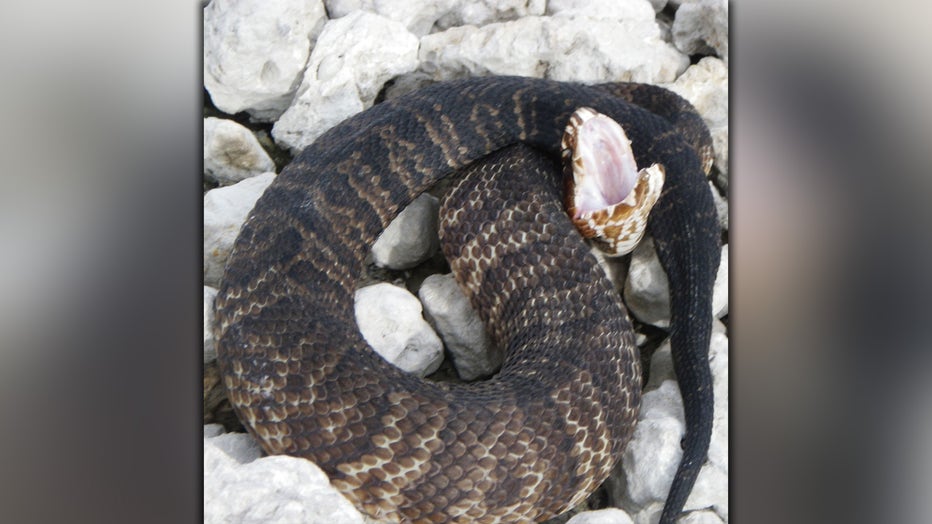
column 609, row 171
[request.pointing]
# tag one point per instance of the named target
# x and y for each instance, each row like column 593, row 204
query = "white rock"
column 390, row 319
column 238, row 447
column 714, row 489
column 560, row 48
column 411, row 237
column 705, row 85
column 407, row 83
column 418, row 17
column 232, row 153
column 701, row 517
column 210, row 349
column 662, row 411
column 647, row 290
column 721, row 206
column 701, row 27
column 650, row 514
column 653, row 454
column 225, row 210
column 460, row 327
column 720, row 290
column 658, row 5
column 710, row 491
column 481, row 12
column 353, row 58
column 602, row 516
column 640, row 11
column 212, row 430
column 255, row 52
column 661, row 367
column 615, row 268
column 666, row 29
column 240, row 487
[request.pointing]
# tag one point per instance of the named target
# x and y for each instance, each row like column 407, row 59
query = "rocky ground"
column 279, row 74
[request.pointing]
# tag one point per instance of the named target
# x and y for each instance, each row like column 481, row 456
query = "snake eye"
column 607, row 197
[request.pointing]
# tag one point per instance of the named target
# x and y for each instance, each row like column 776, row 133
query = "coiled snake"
column 540, row 435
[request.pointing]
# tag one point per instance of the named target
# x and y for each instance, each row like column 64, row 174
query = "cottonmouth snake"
column 541, row 434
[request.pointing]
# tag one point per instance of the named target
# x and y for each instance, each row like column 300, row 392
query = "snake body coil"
column 546, row 430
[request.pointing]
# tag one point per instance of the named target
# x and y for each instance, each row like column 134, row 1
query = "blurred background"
column 100, row 261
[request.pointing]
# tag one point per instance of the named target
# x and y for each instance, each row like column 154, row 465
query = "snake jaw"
column 606, row 196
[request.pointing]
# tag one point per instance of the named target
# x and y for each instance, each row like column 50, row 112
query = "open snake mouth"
column 607, row 197
column 605, row 171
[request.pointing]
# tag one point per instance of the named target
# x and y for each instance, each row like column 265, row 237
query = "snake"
column 540, row 435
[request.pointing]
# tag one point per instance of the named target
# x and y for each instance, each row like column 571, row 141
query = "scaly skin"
column 544, row 432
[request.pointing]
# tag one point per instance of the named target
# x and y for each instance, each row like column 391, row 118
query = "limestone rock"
column 602, row 516
column 650, row 461
column 705, row 85
column 232, row 153
column 210, row 349
column 411, row 237
column 721, row 207
column 701, row 27
column 647, row 290
column 418, row 17
column 390, row 319
column 353, row 58
column 561, row 48
column 653, row 454
column 241, row 487
column 640, row 11
column 701, row 517
column 225, row 210
column 256, row 51
column 658, row 5
column 482, row 12
column 460, row 327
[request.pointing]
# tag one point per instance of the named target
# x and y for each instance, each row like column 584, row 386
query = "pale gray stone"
column 407, row 83
column 650, row 514
column 353, row 58
column 640, row 11
column 602, row 516
column 705, row 86
column 391, row 320
column 256, row 51
column 614, row 268
column 210, row 349
column 701, row 517
column 647, row 290
column 653, row 454
column 644, row 488
column 482, row 12
column 721, row 206
column 710, row 491
column 241, row 487
column 212, row 430
column 418, row 17
column 239, row 447
column 225, row 210
column 701, row 27
column 411, row 238
column 460, row 327
column 720, row 289
column 232, row 153
column 561, row 48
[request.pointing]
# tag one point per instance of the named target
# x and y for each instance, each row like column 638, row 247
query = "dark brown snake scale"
column 545, row 431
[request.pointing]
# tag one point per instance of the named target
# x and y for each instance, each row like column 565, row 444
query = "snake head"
column 606, row 196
